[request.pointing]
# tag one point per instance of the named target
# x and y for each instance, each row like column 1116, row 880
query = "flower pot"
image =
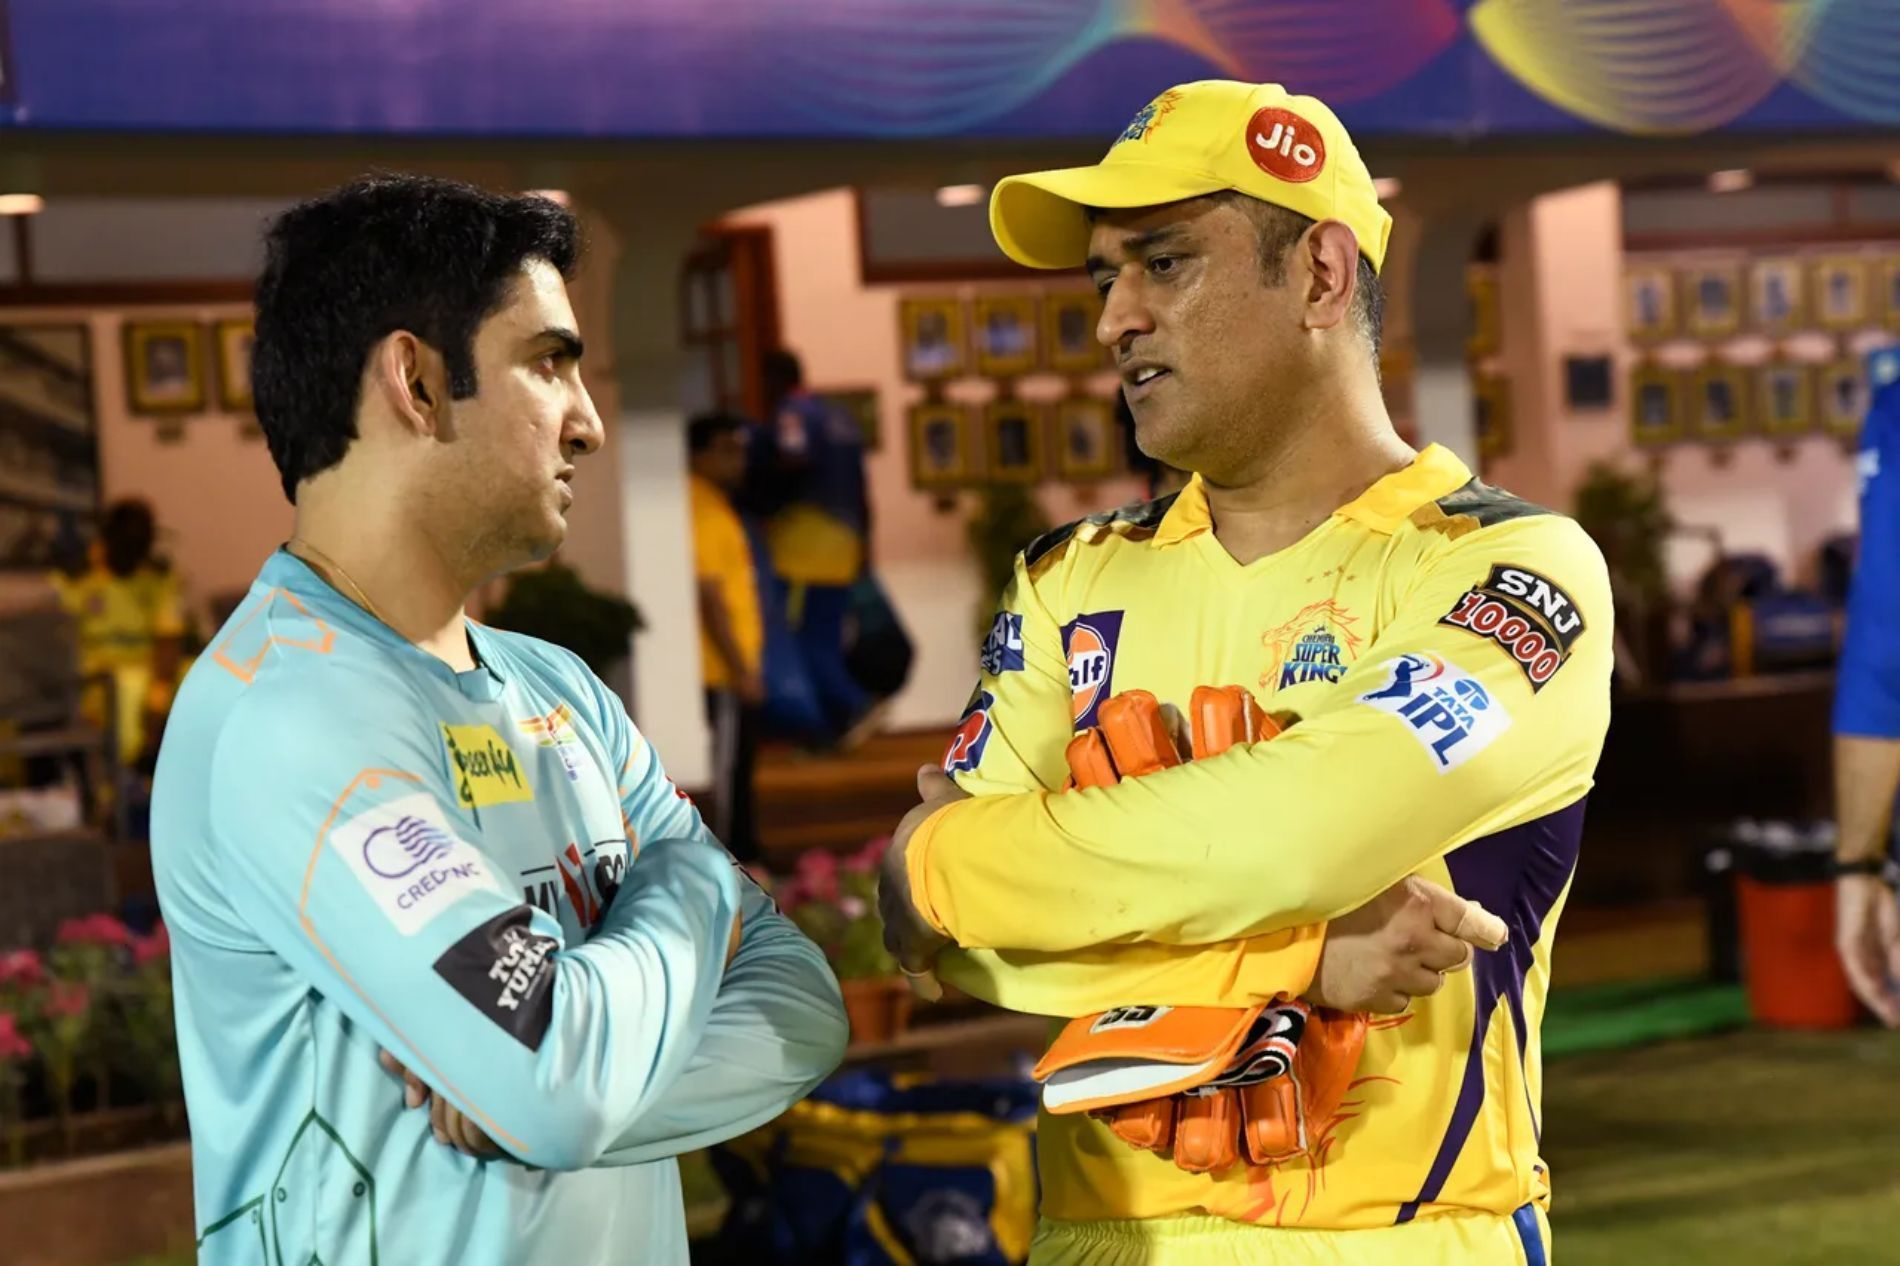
column 878, row 1009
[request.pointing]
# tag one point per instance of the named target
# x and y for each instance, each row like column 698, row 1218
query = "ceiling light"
column 21, row 204
column 1386, row 187
column 557, row 196
column 1732, row 181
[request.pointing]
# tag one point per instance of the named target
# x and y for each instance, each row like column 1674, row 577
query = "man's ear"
column 413, row 380
column 1330, row 251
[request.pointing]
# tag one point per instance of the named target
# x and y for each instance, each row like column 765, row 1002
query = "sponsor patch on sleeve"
column 408, row 857
column 1448, row 711
column 1089, row 642
column 972, row 735
column 1531, row 618
column 1003, row 648
column 506, row 970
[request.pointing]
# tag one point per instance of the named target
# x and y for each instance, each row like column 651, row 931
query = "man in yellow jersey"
column 1440, row 649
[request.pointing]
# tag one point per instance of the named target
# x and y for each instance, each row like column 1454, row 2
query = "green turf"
column 1617, row 1016
column 1749, row 1149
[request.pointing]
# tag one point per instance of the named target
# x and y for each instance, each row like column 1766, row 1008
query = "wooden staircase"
column 839, row 802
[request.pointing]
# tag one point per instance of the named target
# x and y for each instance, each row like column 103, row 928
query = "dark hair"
column 384, row 253
column 1279, row 229
column 782, row 372
column 704, row 428
column 127, row 533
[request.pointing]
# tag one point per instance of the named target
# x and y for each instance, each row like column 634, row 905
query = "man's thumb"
column 1467, row 920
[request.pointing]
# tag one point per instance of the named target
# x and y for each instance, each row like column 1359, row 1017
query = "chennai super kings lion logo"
column 1318, row 644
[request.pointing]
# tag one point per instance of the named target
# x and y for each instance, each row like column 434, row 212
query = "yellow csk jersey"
column 1443, row 651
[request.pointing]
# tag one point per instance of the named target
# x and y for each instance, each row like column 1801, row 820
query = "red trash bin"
column 1794, row 976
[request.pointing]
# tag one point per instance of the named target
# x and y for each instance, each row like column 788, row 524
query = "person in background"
column 130, row 621
column 731, row 629
column 1867, row 714
column 819, row 536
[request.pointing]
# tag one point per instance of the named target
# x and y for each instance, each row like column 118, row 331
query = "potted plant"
column 834, row 902
column 1627, row 518
column 1007, row 519
column 555, row 605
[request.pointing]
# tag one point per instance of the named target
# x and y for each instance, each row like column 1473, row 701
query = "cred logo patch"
column 1532, row 618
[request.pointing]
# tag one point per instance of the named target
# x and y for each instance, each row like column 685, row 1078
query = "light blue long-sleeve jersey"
column 488, row 874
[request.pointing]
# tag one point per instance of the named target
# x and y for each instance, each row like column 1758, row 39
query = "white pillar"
column 651, row 370
column 1441, row 323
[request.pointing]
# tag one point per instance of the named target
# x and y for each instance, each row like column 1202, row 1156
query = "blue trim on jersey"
column 1531, row 1234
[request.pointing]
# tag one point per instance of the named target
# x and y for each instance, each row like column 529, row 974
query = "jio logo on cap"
column 1285, row 146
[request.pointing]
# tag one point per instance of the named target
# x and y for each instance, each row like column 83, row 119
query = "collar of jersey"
column 1382, row 507
column 286, row 571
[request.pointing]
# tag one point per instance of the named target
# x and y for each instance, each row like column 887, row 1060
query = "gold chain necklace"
column 297, row 543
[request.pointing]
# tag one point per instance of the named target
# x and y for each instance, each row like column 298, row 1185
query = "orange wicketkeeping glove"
column 1209, row 1086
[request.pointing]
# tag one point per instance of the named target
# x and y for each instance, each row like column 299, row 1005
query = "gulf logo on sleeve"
column 1448, row 711
column 971, row 736
column 1089, row 642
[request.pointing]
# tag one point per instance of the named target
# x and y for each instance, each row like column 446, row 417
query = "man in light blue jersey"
column 1867, row 713
column 382, row 829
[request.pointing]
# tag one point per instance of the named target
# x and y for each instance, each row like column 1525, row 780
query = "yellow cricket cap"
column 1196, row 139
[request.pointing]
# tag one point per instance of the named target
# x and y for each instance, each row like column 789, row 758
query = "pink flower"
column 868, row 858
column 94, row 929
column 22, row 969
column 146, row 949
column 818, row 870
column 64, row 1000
column 12, row 1044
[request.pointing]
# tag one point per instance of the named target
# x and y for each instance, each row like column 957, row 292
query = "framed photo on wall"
column 1889, row 274
column 1713, row 295
column 942, row 446
column 1777, row 297
column 233, row 340
column 1718, row 407
column 1843, row 394
column 1491, row 403
column 1012, row 433
column 932, row 336
column 1655, row 404
column 1840, row 292
column 1068, row 333
column 1650, row 303
column 1784, row 397
column 1006, row 336
column 1086, row 438
column 164, row 367
column 860, row 405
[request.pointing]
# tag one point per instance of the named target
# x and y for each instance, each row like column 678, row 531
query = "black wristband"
column 1875, row 866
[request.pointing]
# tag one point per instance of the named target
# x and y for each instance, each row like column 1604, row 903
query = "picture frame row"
column 170, row 364
column 1720, row 401
column 1013, row 441
column 999, row 336
column 1775, row 296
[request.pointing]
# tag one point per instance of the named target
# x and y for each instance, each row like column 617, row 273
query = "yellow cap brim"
column 1041, row 219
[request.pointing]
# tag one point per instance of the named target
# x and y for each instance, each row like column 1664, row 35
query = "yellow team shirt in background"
column 1444, row 652
column 120, row 621
column 722, row 553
